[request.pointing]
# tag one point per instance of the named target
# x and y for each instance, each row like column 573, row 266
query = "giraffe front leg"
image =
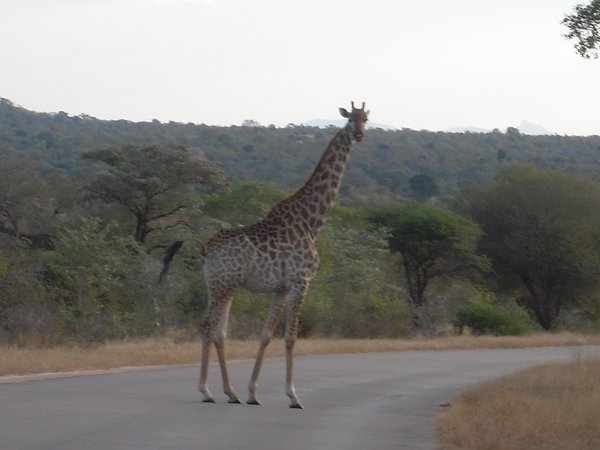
column 203, row 384
column 266, row 335
column 290, row 387
column 291, row 332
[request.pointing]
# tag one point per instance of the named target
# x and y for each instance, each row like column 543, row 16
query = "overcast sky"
column 418, row 64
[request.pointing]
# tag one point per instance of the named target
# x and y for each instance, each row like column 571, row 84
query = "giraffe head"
column 357, row 120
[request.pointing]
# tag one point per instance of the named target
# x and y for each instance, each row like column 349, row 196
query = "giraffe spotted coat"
column 276, row 255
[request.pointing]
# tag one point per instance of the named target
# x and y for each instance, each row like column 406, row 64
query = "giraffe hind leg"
column 219, row 340
column 213, row 327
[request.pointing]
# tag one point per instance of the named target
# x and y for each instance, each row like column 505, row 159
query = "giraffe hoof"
column 208, row 400
column 296, row 406
column 254, row 402
column 235, row 401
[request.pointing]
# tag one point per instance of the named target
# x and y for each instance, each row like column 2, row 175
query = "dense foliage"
column 543, row 229
column 387, row 165
column 487, row 318
column 88, row 207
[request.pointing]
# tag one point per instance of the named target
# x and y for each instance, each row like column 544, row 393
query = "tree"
column 584, row 28
column 27, row 208
column 250, row 123
column 152, row 184
column 542, row 228
column 432, row 241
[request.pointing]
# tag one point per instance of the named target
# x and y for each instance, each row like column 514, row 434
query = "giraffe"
column 276, row 255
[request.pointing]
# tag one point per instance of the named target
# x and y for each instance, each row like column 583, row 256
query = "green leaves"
column 584, row 28
column 425, row 231
column 486, row 318
column 88, row 276
column 90, row 258
column 350, row 295
column 242, row 203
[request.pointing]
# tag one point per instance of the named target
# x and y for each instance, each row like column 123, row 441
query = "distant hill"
column 467, row 130
column 525, row 128
column 380, row 168
column 532, row 129
column 325, row 123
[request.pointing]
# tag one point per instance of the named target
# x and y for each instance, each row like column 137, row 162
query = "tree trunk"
column 141, row 228
column 541, row 304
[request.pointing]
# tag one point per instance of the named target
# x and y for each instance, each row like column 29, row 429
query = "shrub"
column 486, row 318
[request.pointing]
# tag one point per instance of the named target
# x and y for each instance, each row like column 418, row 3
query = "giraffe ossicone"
column 276, row 255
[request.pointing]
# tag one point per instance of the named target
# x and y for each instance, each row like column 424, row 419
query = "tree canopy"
column 151, row 183
column 584, row 28
column 543, row 229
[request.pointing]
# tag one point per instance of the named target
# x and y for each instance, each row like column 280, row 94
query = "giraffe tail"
column 169, row 254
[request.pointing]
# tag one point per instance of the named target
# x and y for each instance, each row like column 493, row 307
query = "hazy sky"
column 418, row 64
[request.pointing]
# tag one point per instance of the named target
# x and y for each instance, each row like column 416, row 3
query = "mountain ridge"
column 381, row 168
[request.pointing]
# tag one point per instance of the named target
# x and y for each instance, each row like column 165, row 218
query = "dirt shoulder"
column 26, row 363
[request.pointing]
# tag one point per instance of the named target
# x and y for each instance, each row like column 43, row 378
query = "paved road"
column 367, row 401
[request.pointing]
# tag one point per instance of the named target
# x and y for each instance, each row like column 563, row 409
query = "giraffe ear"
column 344, row 113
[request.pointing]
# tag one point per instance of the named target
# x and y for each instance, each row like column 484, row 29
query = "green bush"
column 486, row 318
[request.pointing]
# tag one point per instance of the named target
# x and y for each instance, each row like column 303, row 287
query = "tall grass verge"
column 552, row 406
column 171, row 350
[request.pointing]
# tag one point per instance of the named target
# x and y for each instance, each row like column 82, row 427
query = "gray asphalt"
column 363, row 401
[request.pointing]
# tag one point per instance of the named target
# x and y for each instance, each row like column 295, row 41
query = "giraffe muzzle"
column 359, row 136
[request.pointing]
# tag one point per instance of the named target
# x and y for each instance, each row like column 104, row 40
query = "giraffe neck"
column 307, row 209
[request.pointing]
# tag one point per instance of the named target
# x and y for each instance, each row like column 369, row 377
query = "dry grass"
column 549, row 407
column 169, row 350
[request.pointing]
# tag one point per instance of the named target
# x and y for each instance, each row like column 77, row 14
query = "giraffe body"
column 276, row 255
column 261, row 258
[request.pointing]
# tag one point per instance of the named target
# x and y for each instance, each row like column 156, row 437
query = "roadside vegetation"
column 552, row 406
column 435, row 233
